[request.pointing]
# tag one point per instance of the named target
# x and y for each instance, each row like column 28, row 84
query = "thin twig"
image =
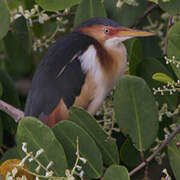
column 164, row 143
column 166, row 38
column 15, row 113
column 148, row 11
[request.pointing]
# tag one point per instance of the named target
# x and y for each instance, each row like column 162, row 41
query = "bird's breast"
column 116, row 66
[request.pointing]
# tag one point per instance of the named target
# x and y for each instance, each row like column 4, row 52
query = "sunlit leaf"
column 162, row 78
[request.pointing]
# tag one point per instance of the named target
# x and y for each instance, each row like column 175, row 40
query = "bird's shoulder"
column 67, row 46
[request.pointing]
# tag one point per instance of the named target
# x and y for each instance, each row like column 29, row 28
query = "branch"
column 15, row 113
column 148, row 11
column 166, row 38
column 164, row 143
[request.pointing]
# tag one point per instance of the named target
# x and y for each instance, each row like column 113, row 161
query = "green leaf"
column 56, row 5
column 67, row 133
column 12, row 153
column 108, row 147
column 38, row 136
column 162, row 78
column 88, row 9
column 171, row 6
column 173, row 48
column 135, row 55
column 10, row 96
column 154, row 1
column 4, row 18
column 126, row 15
column 174, row 155
column 12, row 5
column 146, row 69
column 19, row 61
column 116, row 172
column 129, row 154
column 136, row 111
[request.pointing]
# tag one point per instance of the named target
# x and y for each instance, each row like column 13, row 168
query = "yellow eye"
column 106, row 31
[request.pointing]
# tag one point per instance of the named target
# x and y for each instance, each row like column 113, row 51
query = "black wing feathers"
column 58, row 76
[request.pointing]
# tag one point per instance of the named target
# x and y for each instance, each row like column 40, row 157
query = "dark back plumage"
column 58, row 75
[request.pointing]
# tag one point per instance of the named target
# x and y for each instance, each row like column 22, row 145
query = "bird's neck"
column 113, row 59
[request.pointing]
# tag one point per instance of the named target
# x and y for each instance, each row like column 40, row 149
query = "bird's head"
column 107, row 32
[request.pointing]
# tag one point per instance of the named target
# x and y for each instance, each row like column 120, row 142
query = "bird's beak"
column 130, row 33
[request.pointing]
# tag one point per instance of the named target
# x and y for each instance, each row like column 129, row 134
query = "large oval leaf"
column 108, row 147
column 136, row 111
column 88, row 9
column 173, row 48
column 171, row 6
column 126, row 15
column 67, row 132
column 174, row 155
column 116, row 172
column 19, row 61
column 4, row 19
column 55, row 5
column 38, row 136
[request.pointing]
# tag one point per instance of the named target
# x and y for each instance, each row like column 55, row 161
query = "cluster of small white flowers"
column 29, row 14
column 171, row 88
column 39, row 44
column 12, row 175
column 129, row 2
column 164, row 111
column 30, row 157
column 77, row 169
column 172, row 60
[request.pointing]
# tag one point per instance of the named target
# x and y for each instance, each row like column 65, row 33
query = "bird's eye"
column 106, row 31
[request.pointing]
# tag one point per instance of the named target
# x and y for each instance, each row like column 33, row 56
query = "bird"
column 79, row 69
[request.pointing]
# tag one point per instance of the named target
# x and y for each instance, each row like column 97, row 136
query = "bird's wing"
column 59, row 75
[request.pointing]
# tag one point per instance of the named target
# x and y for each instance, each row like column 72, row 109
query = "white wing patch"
column 90, row 63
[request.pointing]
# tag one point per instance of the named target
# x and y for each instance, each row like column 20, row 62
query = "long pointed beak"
column 130, row 33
